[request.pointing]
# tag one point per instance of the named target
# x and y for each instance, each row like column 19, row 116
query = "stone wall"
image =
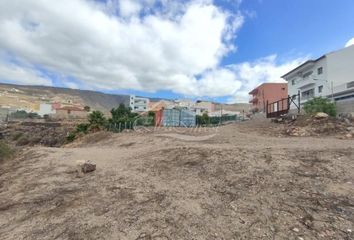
column 345, row 106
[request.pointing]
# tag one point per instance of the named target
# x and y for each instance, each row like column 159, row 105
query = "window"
column 320, row 88
column 319, row 70
column 307, row 74
column 293, row 82
column 308, row 94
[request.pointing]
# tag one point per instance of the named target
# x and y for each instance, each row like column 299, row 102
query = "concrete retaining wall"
column 345, row 106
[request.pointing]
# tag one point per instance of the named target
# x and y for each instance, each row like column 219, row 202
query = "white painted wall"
column 341, row 67
column 139, row 104
column 46, row 109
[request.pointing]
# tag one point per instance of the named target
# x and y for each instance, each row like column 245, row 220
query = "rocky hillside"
column 29, row 96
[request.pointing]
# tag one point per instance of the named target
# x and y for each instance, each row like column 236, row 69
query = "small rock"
column 296, row 230
column 349, row 230
column 321, row 115
column 350, row 129
column 348, row 135
column 85, row 167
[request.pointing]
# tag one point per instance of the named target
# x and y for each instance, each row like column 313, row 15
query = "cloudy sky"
column 217, row 50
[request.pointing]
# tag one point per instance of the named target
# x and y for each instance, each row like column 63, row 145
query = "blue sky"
column 217, row 50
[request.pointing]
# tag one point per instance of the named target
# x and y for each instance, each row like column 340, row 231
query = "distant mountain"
column 29, row 97
column 237, row 107
column 37, row 94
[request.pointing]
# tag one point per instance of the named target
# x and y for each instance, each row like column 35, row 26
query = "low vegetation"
column 23, row 114
column 97, row 122
column 320, row 104
column 6, row 152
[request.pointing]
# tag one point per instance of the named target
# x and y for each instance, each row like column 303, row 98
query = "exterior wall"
column 345, row 106
column 185, row 103
column 308, row 80
column 4, row 112
column 178, row 118
column 158, row 118
column 341, row 68
column 336, row 81
column 139, row 104
column 46, row 109
column 67, row 114
column 208, row 106
column 270, row 92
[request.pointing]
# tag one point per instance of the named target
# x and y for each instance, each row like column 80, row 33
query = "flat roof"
column 300, row 66
column 266, row 83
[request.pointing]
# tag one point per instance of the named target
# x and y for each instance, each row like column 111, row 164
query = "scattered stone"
column 296, row 230
column 350, row 129
column 84, row 167
column 321, row 115
column 348, row 135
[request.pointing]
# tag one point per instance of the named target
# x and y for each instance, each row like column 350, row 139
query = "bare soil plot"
column 239, row 184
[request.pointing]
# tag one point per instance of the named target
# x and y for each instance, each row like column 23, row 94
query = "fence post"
column 298, row 97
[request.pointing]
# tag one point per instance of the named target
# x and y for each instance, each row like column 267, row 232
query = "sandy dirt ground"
column 228, row 183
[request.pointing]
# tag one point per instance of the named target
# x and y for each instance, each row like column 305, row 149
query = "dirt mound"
column 90, row 139
column 36, row 133
column 327, row 126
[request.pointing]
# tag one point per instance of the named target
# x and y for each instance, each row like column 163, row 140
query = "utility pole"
column 332, row 91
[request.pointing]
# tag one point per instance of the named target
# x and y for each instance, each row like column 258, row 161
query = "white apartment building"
column 138, row 104
column 331, row 76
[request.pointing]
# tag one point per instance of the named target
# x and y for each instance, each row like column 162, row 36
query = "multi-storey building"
column 331, row 76
column 139, row 104
column 267, row 92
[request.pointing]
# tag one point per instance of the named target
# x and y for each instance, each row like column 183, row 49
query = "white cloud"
column 350, row 42
column 22, row 75
column 166, row 49
column 266, row 69
column 131, row 44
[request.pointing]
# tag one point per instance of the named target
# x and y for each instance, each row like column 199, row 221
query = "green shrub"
column 22, row 141
column 16, row 136
column 204, row 119
column 5, row 151
column 82, row 128
column 320, row 104
column 70, row 137
column 97, row 121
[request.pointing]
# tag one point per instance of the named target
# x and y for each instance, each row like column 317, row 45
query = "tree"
column 97, row 121
column 319, row 104
column 87, row 108
column 204, row 119
column 122, row 114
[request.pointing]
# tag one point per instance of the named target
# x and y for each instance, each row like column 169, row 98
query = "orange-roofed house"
column 270, row 92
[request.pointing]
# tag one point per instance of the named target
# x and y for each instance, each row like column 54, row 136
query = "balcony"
column 306, row 82
column 254, row 100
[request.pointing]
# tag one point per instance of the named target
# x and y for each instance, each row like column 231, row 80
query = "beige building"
column 70, row 113
column 204, row 107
